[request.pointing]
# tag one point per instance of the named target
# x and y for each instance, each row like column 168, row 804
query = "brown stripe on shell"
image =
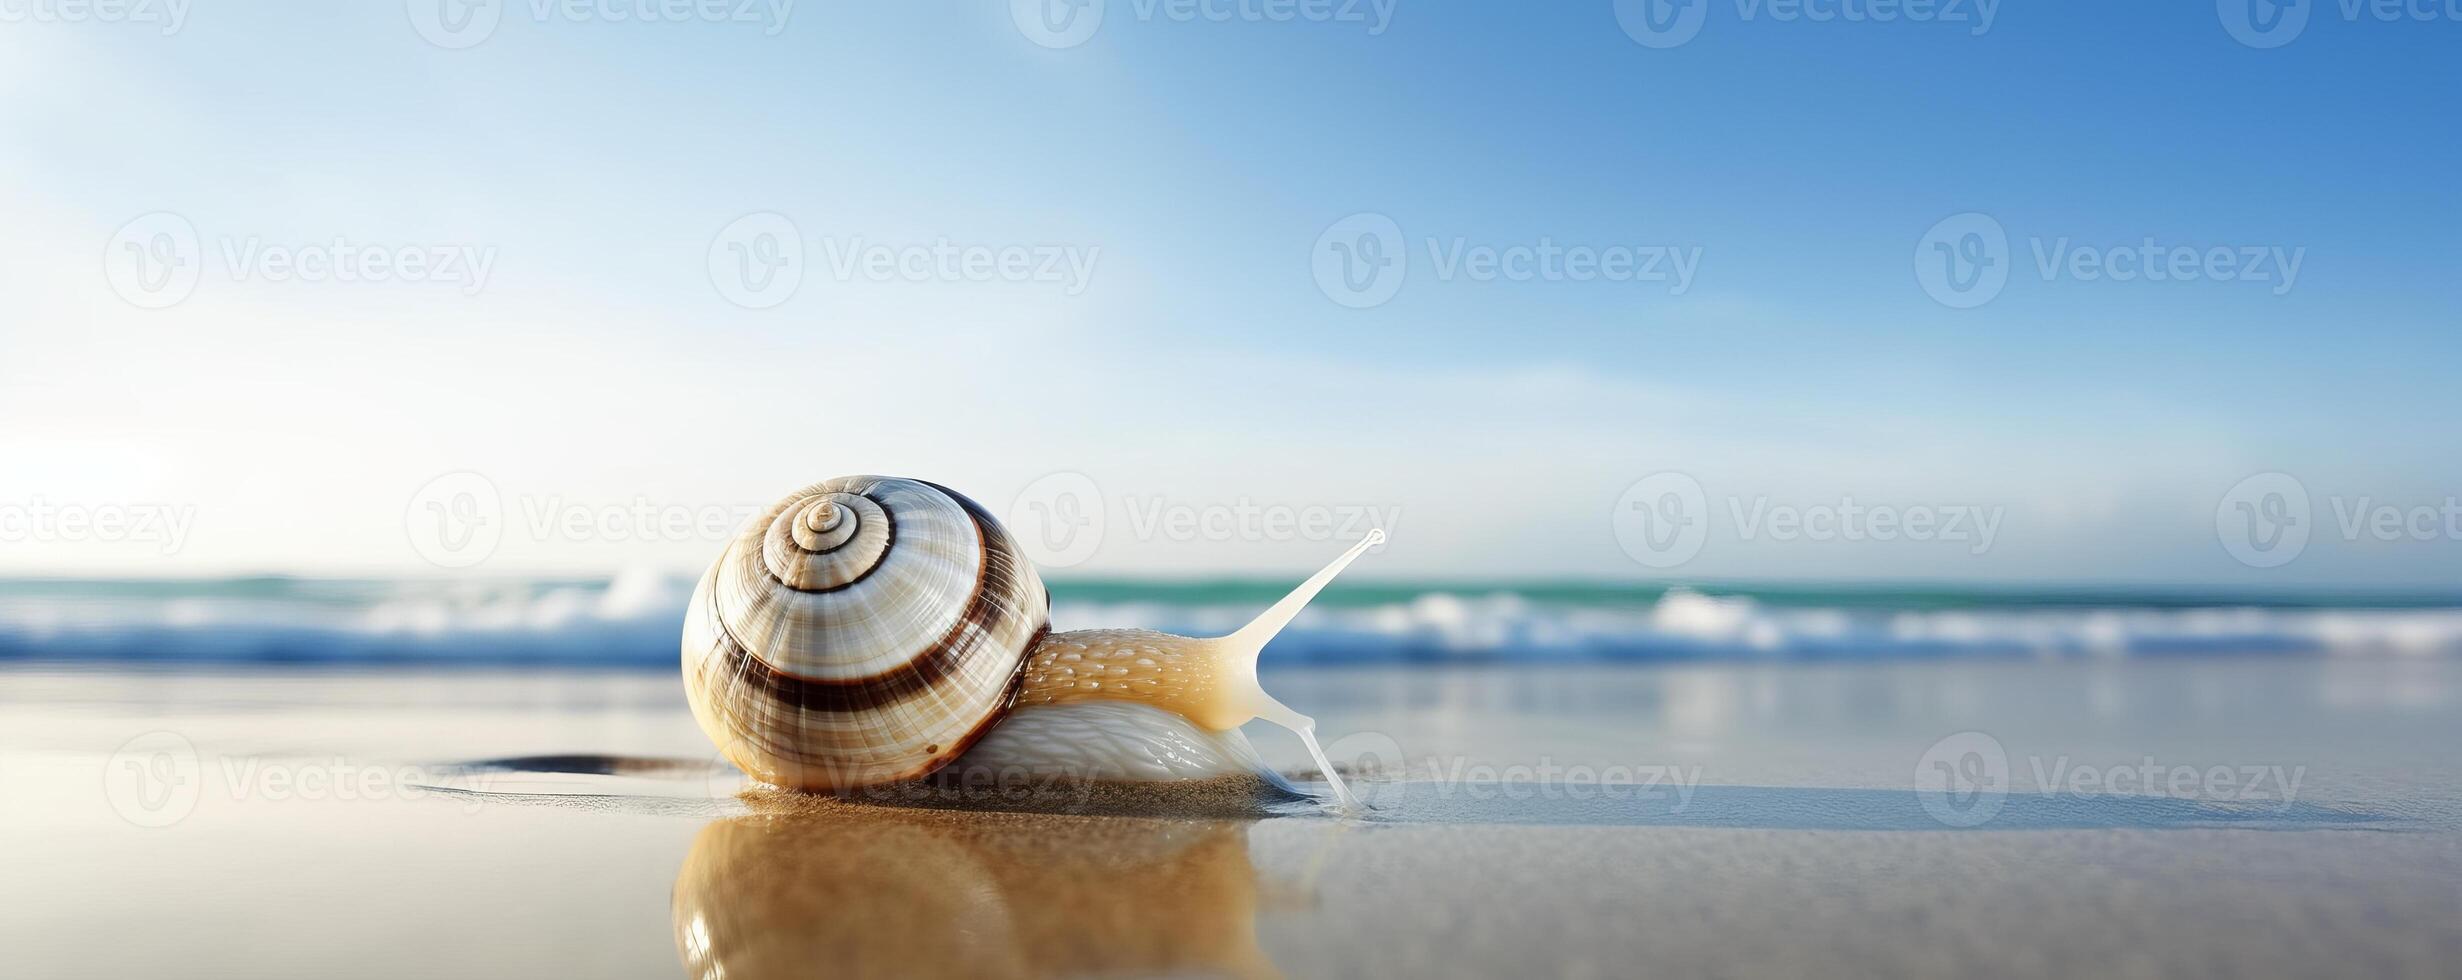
column 949, row 751
column 1000, row 710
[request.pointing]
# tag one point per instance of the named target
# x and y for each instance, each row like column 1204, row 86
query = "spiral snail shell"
column 872, row 629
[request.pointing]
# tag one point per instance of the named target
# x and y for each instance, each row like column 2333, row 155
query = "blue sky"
column 1191, row 166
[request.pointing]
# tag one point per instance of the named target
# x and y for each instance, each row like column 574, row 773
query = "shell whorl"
column 864, row 629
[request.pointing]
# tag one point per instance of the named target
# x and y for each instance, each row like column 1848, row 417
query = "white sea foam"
column 1685, row 623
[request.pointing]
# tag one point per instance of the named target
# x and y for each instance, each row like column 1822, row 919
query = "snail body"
column 867, row 630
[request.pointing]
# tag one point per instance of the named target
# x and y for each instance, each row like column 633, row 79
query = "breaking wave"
column 634, row 619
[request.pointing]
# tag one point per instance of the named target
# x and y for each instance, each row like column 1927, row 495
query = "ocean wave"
column 634, row 619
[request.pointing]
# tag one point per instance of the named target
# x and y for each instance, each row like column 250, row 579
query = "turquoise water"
column 1346, row 593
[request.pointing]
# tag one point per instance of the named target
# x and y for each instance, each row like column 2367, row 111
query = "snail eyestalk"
column 1211, row 682
column 1248, row 644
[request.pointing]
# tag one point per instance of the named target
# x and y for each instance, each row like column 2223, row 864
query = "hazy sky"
column 1249, row 276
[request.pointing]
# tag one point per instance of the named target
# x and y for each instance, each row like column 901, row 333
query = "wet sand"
column 1759, row 821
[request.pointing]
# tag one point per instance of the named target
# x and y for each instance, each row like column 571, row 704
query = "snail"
column 869, row 630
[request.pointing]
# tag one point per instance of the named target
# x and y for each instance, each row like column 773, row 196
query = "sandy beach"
column 1693, row 820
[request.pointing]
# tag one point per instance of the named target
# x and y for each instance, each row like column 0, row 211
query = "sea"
column 633, row 620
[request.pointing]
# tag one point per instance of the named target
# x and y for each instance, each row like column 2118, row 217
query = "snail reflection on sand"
column 823, row 887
